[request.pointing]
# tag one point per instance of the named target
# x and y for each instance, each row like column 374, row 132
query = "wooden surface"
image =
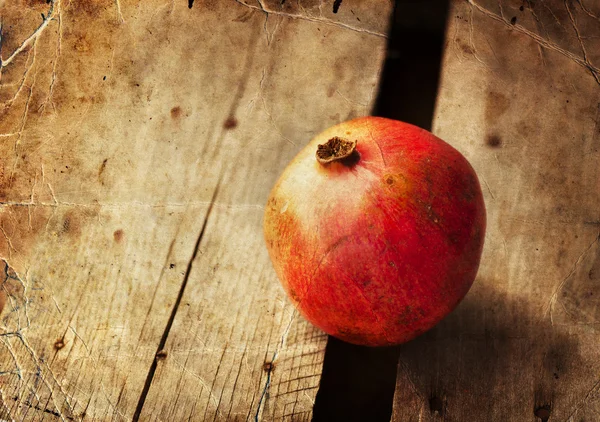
column 139, row 143
column 140, row 140
column 520, row 97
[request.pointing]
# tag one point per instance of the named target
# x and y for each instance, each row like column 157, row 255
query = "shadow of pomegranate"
column 492, row 356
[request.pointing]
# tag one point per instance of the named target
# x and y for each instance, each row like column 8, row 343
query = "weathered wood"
column 519, row 97
column 135, row 137
column 239, row 352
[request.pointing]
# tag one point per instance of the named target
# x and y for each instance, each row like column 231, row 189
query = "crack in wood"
column 165, row 336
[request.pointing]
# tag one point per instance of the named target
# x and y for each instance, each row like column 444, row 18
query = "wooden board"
column 140, row 140
column 520, row 97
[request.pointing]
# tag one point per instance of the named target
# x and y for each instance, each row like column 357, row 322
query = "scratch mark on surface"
column 33, row 37
column 42, row 107
column 80, row 338
column 3, row 400
column 349, row 101
column 320, row 7
column 243, row 359
column 587, row 11
column 267, row 112
column 471, row 38
column 581, row 44
column 541, row 52
column 15, row 306
column 487, row 41
column 299, row 4
column 32, row 197
column 56, row 203
column 569, row 314
column 411, row 383
column 558, row 22
column 201, row 381
column 11, row 248
column 109, row 401
column 309, row 398
column 542, row 41
column 119, row 13
column 28, row 67
column 270, row 369
column 25, row 112
column 56, row 304
column 312, row 19
column 24, row 281
column 39, row 364
column 457, row 48
column 13, row 355
column 557, row 290
column 588, row 398
column 537, row 19
column 488, row 188
column 216, row 374
column 501, row 9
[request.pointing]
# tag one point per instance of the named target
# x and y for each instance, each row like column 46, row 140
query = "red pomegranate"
column 375, row 230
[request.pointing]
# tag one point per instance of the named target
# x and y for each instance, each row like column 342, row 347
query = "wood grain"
column 139, row 144
column 257, row 358
column 140, row 140
column 519, row 97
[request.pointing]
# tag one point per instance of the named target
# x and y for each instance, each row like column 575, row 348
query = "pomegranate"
column 375, row 230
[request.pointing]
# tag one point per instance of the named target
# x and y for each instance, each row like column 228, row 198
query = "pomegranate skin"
column 379, row 247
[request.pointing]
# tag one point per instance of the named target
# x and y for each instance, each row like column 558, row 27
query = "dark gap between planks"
column 358, row 383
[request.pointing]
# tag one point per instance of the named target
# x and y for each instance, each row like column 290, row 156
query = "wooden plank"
column 119, row 120
column 519, row 97
column 239, row 352
column 93, row 216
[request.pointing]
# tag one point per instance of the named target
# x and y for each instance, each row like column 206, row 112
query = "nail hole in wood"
column 543, row 412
